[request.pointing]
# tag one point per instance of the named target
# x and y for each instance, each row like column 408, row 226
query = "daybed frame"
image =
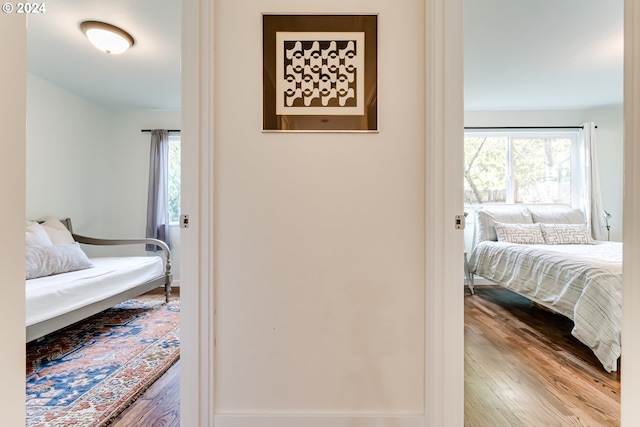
column 48, row 326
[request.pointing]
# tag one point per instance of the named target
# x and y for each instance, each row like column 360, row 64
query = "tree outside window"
column 540, row 168
column 174, row 178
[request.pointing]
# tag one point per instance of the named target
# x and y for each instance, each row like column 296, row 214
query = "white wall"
column 68, row 157
column 91, row 163
column 610, row 147
column 12, row 184
column 320, row 238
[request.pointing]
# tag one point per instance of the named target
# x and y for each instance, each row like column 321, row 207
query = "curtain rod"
column 522, row 127
column 168, row 130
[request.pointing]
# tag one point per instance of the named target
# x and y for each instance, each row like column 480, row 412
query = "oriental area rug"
column 89, row 372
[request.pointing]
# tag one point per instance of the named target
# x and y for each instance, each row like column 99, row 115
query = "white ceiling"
column 544, row 54
column 145, row 77
column 519, row 54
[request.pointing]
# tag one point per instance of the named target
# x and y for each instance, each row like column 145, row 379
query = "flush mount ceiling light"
column 106, row 37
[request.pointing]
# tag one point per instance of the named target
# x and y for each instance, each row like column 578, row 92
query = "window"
column 524, row 167
column 174, row 178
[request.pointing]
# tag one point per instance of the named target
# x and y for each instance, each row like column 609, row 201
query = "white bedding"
column 51, row 296
column 582, row 282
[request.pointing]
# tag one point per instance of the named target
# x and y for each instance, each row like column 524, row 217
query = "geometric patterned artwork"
column 320, row 73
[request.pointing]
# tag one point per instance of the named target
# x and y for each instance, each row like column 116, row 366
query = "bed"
column 64, row 286
column 546, row 255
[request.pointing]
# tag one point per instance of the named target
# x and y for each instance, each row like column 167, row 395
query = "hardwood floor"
column 524, row 368
column 159, row 405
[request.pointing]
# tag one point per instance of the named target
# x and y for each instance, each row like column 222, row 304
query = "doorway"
column 506, row 84
column 86, row 155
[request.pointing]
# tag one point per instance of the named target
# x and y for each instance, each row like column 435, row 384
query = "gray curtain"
column 158, row 197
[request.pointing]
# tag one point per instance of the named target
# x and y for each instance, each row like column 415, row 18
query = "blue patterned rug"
column 87, row 373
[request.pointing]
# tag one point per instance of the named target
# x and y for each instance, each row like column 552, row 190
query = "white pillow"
column 54, row 259
column 557, row 215
column 527, row 234
column 566, row 234
column 486, row 217
column 35, row 235
column 58, row 233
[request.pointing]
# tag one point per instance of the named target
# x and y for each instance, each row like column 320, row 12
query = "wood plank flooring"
column 523, row 368
column 159, row 405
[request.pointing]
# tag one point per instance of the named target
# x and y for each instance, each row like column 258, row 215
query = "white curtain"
column 593, row 210
column 158, row 196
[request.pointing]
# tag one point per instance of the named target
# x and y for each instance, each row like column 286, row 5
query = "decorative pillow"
column 58, row 233
column 527, row 234
column 54, row 259
column 566, row 234
column 486, row 217
column 35, row 235
column 557, row 215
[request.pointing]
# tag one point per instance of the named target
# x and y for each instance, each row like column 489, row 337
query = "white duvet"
column 51, row 296
column 582, row 282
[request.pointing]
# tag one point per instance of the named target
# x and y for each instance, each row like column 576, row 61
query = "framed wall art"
column 320, row 73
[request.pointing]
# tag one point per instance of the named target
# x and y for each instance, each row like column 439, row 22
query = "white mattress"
column 582, row 282
column 51, row 296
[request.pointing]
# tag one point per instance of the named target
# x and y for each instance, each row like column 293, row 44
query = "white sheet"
column 582, row 282
column 51, row 296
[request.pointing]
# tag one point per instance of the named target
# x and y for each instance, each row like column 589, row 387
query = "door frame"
column 630, row 375
column 197, row 198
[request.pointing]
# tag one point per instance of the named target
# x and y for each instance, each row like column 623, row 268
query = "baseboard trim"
column 266, row 420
